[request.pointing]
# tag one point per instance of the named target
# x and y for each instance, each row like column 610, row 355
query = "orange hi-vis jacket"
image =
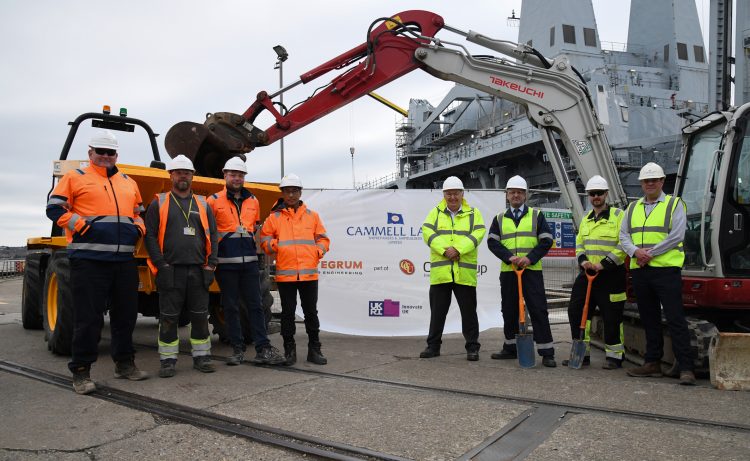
column 298, row 240
column 100, row 211
column 163, row 201
column 236, row 228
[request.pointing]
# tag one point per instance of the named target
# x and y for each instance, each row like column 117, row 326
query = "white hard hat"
column 104, row 140
column 651, row 171
column 235, row 164
column 290, row 180
column 180, row 163
column 597, row 183
column 452, row 183
column 517, row 182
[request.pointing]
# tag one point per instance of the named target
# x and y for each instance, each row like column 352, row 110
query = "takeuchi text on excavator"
column 554, row 94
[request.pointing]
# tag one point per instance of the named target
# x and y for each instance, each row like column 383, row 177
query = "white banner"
column 375, row 281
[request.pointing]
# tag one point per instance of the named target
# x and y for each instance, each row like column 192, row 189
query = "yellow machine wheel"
column 57, row 304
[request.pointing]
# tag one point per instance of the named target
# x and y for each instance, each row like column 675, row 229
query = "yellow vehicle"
column 46, row 296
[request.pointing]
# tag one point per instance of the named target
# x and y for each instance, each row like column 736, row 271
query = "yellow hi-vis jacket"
column 522, row 239
column 646, row 232
column 599, row 239
column 464, row 233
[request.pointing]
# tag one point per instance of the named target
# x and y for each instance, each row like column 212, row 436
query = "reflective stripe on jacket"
column 464, row 233
column 298, row 240
column 646, row 232
column 236, row 230
column 522, row 239
column 163, row 202
column 598, row 239
column 100, row 211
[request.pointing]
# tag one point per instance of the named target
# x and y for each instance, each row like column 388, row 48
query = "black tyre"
column 57, row 304
column 31, row 294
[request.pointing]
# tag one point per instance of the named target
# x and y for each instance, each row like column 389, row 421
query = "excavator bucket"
column 209, row 145
column 729, row 361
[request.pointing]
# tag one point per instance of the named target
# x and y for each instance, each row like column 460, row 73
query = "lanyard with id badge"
column 187, row 230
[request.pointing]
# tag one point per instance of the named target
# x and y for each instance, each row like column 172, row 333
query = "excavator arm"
column 387, row 54
column 556, row 99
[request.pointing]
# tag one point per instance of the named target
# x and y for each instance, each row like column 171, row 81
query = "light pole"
column 351, row 151
column 282, row 56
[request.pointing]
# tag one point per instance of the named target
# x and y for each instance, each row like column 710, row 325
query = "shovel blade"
column 577, row 352
column 525, row 350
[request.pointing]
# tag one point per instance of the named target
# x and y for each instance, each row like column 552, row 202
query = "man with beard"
column 598, row 249
column 237, row 213
column 181, row 243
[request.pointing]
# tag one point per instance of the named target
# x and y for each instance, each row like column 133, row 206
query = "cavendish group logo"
column 394, row 230
column 406, row 266
column 384, row 308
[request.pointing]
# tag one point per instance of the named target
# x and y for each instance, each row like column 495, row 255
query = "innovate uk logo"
column 384, row 308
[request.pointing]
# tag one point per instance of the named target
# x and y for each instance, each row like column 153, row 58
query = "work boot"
column 238, row 355
column 290, row 353
column 429, row 353
column 269, row 355
column 687, row 378
column 504, row 354
column 167, row 368
column 648, row 370
column 586, row 361
column 612, row 364
column 315, row 356
column 472, row 356
column 82, row 382
column 549, row 361
column 203, row 364
column 126, row 369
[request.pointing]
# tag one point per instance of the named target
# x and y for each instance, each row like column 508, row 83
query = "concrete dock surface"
column 375, row 393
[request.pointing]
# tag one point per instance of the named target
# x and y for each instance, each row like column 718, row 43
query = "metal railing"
column 11, row 268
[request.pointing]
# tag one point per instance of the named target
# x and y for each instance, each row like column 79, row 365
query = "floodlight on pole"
column 282, row 55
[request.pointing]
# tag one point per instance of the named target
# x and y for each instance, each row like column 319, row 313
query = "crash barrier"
column 375, row 279
column 11, row 268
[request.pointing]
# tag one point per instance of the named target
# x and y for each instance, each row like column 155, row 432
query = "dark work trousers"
column 93, row 284
column 240, row 290
column 663, row 285
column 605, row 284
column 308, row 294
column 440, row 302
column 536, row 305
column 183, row 286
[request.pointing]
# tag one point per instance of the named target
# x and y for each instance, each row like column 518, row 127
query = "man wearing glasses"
column 100, row 208
column 652, row 233
column 453, row 230
column 598, row 249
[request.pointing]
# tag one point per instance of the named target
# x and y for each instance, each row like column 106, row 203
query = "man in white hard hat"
column 181, row 240
column 295, row 236
column 652, row 233
column 100, row 208
column 453, row 230
column 237, row 214
column 520, row 237
column 598, row 249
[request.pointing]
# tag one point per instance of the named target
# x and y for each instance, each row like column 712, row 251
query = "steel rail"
column 301, row 443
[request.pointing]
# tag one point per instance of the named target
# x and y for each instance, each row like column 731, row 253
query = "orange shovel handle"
column 590, row 280
column 521, row 305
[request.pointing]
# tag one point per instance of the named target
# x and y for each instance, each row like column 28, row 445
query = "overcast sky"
column 169, row 61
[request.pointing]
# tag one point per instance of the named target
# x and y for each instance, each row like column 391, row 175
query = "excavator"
column 713, row 178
